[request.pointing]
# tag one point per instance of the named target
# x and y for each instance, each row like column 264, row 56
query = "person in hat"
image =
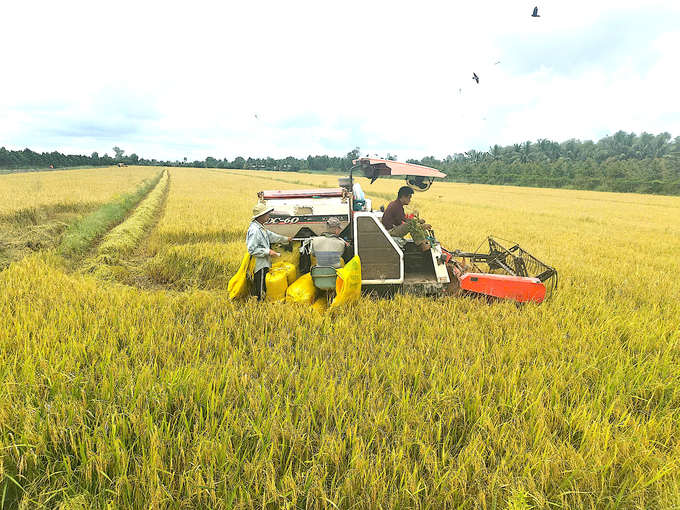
column 258, row 242
column 329, row 247
column 396, row 223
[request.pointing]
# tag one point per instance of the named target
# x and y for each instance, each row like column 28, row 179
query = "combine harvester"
column 505, row 272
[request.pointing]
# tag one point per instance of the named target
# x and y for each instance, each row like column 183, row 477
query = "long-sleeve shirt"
column 258, row 242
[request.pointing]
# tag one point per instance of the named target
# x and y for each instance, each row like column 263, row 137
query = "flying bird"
column 475, row 77
column 535, row 14
column 258, row 118
column 497, row 63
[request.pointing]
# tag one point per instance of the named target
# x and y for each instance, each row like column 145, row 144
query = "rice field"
column 143, row 386
column 36, row 208
column 74, row 189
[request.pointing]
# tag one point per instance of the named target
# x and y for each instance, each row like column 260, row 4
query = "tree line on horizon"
column 623, row 162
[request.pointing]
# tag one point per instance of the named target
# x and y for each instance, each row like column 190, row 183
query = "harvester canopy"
column 418, row 177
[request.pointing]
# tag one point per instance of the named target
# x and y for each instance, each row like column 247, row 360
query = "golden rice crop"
column 36, row 208
column 207, row 265
column 206, row 206
column 119, row 397
column 200, row 240
column 67, row 188
column 124, row 238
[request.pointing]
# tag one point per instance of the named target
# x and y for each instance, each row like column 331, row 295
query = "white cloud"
column 169, row 80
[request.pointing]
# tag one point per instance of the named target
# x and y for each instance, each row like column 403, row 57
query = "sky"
column 169, row 80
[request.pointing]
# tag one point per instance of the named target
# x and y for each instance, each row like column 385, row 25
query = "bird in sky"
column 535, row 14
column 475, row 77
column 497, row 63
column 256, row 116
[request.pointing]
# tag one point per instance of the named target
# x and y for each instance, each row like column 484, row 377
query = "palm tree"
column 571, row 149
column 496, row 153
column 650, row 146
column 475, row 156
column 676, row 146
column 643, row 147
column 623, row 143
column 662, row 147
column 525, row 153
column 589, row 149
column 515, row 151
column 549, row 149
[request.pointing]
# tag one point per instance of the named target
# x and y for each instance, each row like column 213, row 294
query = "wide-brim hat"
column 260, row 209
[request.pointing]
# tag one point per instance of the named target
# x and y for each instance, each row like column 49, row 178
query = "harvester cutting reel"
column 506, row 273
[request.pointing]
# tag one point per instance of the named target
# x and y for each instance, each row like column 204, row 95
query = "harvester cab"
column 389, row 263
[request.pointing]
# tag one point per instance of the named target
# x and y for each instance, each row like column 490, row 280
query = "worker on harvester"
column 398, row 225
column 329, row 247
column 258, row 243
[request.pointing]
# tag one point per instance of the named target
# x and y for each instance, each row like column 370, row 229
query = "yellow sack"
column 238, row 285
column 250, row 272
column 302, row 290
column 290, row 269
column 348, row 284
column 320, row 305
column 292, row 257
column 277, row 284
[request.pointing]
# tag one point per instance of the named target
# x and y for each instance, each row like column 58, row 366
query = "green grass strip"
column 124, row 238
column 83, row 233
